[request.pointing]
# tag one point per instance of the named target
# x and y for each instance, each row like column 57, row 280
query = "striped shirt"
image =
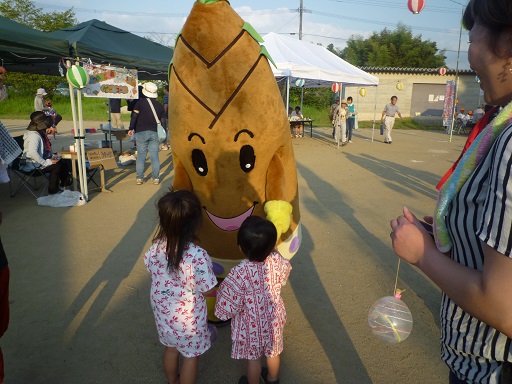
column 480, row 213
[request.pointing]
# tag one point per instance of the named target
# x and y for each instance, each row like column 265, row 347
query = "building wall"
column 469, row 93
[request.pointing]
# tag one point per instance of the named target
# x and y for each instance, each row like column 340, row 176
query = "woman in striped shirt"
column 470, row 259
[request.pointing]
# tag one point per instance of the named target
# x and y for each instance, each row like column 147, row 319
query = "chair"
column 32, row 180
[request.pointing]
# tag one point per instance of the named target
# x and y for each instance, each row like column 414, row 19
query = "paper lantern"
column 390, row 319
column 362, row 92
column 300, row 82
column 77, row 76
column 399, row 86
column 335, row 87
column 416, row 6
column 442, row 71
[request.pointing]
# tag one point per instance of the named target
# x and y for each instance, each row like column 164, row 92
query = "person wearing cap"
column 143, row 125
column 340, row 122
column 462, row 116
column 39, row 99
column 388, row 118
column 37, row 151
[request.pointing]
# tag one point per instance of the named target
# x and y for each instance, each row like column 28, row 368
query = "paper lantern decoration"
column 300, row 82
column 362, row 92
column 77, row 76
column 416, row 6
column 399, row 86
column 390, row 319
column 442, row 71
column 335, row 87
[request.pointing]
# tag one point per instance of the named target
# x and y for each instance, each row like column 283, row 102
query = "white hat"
column 41, row 91
column 150, row 90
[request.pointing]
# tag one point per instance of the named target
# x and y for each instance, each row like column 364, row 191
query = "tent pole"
column 301, row 100
column 81, row 155
column 75, row 125
column 110, row 127
column 375, row 111
column 287, row 94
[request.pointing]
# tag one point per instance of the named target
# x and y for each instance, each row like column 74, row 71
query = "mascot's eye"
column 247, row 158
column 199, row 161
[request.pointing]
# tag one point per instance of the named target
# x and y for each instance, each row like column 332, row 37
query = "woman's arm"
column 31, row 147
column 483, row 294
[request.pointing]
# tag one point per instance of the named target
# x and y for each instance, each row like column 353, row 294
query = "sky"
column 324, row 21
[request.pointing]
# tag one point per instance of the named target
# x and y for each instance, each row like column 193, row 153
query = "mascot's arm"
column 181, row 178
column 278, row 211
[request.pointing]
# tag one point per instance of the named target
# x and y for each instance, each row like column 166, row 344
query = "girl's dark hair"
column 257, row 237
column 494, row 15
column 180, row 217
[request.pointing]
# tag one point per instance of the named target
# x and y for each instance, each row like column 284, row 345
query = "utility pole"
column 301, row 11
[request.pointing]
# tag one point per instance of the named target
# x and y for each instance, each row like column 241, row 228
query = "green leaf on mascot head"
column 251, row 31
column 208, row 1
column 264, row 52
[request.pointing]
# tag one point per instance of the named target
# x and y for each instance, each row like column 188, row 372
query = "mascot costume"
column 230, row 134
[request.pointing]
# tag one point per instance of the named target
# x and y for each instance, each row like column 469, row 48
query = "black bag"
column 381, row 128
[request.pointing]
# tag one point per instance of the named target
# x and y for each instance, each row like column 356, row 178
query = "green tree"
column 25, row 12
column 398, row 48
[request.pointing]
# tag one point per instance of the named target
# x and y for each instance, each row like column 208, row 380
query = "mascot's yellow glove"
column 279, row 213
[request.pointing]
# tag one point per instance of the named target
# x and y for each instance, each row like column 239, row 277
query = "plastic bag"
column 64, row 199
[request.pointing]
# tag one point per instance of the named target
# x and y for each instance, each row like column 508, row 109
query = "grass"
column 20, row 107
column 94, row 109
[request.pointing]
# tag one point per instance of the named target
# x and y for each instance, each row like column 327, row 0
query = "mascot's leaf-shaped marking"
column 210, row 65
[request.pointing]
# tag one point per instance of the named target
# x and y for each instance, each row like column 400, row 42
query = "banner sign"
column 449, row 100
column 111, row 82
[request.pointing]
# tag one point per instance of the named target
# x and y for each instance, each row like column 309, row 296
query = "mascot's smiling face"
column 228, row 127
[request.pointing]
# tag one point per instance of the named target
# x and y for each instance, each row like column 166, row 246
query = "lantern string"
column 396, row 278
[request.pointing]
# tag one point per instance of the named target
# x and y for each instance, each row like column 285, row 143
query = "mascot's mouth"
column 233, row 223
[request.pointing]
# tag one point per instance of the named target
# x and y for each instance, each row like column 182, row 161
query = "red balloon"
column 416, row 6
column 442, row 71
column 335, row 87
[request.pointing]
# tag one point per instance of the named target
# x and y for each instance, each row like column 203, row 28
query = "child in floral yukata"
column 251, row 296
column 181, row 273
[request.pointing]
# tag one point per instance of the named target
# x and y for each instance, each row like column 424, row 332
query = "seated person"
column 299, row 128
column 290, row 110
column 479, row 113
column 37, row 151
column 462, row 116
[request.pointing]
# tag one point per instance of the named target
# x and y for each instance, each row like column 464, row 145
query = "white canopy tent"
column 315, row 64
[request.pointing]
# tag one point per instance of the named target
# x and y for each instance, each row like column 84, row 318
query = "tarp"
column 23, row 49
column 314, row 63
column 106, row 44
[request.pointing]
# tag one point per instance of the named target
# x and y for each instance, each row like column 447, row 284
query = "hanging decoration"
column 362, row 92
column 336, row 87
column 389, row 317
column 399, row 86
column 416, row 6
column 442, row 71
column 300, row 82
column 77, row 76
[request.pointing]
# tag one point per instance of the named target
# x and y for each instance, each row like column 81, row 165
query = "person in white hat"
column 39, row 99
column 340, row 122
column 143, row 124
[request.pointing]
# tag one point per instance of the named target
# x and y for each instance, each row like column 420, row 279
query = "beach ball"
column 416, row 6
column 362, row 92
column 442, row 71
column 399, row 86
column 335, row 87
column 390, row 320
column 77, row 76
column 300, row 82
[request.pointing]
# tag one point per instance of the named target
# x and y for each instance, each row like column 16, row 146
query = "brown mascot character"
column 229, row 132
